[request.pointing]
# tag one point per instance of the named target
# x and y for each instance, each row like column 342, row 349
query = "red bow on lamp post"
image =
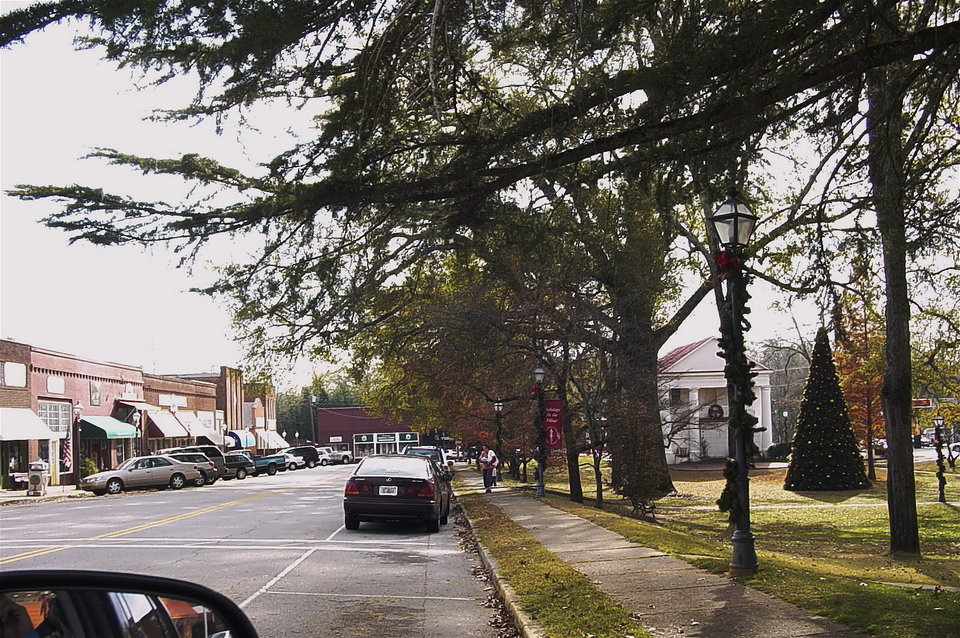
column 727, row 262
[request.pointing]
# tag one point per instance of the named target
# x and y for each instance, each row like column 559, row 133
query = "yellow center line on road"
column 137, row 528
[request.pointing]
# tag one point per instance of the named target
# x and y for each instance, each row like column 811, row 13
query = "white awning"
column 196, row 427
column 23, row 424
column 166, row 425
column 140, row 405
column 271, row 440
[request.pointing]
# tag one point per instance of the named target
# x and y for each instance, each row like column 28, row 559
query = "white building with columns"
column 694, row 405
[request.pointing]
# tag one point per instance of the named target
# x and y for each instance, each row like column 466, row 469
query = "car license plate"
column 388, row 490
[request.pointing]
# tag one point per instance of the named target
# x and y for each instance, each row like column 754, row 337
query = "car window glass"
column 394, row 467
column 158, row 462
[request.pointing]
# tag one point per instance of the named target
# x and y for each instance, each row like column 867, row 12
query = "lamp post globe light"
column 734, row 224
column 538, row 376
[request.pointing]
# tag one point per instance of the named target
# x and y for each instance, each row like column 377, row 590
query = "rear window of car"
column 433, row 454
column 386, row 466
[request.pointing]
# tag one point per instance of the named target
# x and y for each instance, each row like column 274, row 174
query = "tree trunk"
column 886, row 164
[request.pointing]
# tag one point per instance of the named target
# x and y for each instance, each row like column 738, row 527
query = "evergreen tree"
column 825, row 454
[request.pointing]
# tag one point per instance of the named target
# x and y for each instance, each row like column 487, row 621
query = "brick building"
column 361, row 432
column 180, row 411
column 84, row 402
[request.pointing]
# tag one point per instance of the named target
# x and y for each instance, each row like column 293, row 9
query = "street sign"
column 923, row 403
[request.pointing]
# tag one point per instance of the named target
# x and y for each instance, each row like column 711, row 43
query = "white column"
column 693, row 432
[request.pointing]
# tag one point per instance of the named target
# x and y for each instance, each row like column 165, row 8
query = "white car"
column 294, row 462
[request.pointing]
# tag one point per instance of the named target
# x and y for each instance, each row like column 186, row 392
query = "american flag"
column 66, row 455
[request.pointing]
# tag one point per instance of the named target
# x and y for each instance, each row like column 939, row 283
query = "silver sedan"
column 142, row 472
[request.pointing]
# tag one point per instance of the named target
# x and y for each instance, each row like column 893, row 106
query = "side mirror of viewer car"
column 46, row 603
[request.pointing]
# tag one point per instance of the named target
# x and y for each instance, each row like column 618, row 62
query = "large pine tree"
column 825, row 455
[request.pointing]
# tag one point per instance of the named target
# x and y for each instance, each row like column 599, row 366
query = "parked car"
column 310, row 454
column 212, row 452
column 335, row 456
column 435, row 453
column 927, row 437
column 387, row 487
column 204, row 464
column 142, row 472
column 238, row 466
column 266, row 464
column 292, row 462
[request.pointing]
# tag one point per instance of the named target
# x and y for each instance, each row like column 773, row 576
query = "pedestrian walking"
column 488, row 465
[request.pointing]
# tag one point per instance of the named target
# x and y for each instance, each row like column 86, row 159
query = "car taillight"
column 426, row 491
column 351, row 488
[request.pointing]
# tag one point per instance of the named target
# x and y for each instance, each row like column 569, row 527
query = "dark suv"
column 212, row 452
column 308, row 453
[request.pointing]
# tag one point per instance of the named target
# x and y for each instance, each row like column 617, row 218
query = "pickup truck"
column 329, row 455
column 266, row 464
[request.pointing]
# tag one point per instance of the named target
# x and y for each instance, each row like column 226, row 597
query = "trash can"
column 38, row 475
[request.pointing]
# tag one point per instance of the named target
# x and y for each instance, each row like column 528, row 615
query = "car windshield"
column 127, row 464
column 433, row 454
column 392, row 466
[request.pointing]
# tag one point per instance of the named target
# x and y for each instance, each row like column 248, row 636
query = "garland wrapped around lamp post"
column 734, row 225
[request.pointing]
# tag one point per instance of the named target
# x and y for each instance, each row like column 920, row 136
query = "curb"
column 48, row 498
column 525, row 623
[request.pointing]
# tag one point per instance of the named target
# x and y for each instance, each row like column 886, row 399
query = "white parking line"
column 277, row 578
column 330, row 595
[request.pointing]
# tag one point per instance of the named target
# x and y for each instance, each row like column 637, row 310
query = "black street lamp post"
column 734, row 225
column 538, row 375
column 498, row 413
column 941, row 468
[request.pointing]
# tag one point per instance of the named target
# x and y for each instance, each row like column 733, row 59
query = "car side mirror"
column 42, row 603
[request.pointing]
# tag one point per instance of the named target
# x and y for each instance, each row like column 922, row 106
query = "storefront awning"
column 140, row 405
column 240, row 438
column 270, row 440
column 105, row 427
column 164, row 425
column 196, row 427
column 22, row 424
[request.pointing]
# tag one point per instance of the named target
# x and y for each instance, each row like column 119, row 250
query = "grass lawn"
column 824, row 551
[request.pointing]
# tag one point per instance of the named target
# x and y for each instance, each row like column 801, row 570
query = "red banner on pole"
column 553, row 423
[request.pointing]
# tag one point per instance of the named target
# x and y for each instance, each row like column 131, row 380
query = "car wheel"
column 99, row 492
column 311, row 464
column 346, row 460
column 213, row 479
column 241, row 474
column 200, row 482
column 323, row 461
column 114, row 486
column 271, row 469
column 177, row 481
column 292, row 467
column 351, row 523
column 433, row 525
column 445, row 519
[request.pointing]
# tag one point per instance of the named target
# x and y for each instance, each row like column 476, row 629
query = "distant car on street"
column 927, row 437
column 435, row 453
column 334, row 456
column 203, row 463
column 293, row 462
column 398, row 487
column 142, row 472
column 212, row 452
column 309, row 454
column 238, row 466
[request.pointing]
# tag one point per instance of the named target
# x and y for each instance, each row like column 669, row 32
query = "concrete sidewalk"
column 669, row 596
column 54, row 492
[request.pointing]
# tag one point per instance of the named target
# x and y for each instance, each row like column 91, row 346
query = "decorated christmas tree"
column 825, row 454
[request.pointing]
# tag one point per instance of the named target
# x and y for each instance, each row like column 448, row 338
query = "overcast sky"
column 122, row 304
